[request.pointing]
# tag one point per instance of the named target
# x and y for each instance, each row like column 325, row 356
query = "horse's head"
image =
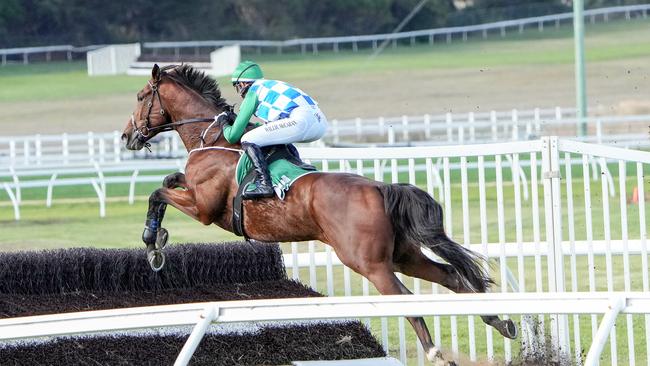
column 149, row 114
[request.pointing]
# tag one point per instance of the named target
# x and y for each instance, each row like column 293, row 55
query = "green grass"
column 611, row 41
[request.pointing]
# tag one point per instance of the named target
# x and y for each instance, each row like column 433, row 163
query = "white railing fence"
column 543, row 243
column 425, row 130
column 202, row 315
column 534, row 208
column 334, row 43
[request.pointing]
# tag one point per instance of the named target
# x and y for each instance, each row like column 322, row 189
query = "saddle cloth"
column 285, row 168
column 283, row 171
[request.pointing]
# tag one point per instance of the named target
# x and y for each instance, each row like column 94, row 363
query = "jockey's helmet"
column 246, row 71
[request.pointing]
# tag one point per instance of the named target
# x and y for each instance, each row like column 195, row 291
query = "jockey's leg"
column 263, row 185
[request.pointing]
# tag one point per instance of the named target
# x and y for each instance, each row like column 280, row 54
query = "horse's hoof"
column 508, row 329
column 149, row 236
column 156, row 260
column 161, row 238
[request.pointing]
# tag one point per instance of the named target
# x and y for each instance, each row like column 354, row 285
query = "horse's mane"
column 198, row 81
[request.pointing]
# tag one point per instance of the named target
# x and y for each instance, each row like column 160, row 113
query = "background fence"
column 312, row 45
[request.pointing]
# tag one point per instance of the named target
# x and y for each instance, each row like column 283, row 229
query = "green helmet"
column 247, row 71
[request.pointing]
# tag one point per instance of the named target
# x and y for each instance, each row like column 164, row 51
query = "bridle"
column 143, row 133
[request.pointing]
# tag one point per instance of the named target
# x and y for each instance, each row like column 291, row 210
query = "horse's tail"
column 417, row 219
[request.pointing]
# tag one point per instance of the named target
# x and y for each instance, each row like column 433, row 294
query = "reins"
column 144, row 131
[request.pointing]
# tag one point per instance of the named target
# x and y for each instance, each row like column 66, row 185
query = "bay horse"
column 376, row 229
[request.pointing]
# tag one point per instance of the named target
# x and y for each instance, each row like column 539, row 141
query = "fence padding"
column 101, row 270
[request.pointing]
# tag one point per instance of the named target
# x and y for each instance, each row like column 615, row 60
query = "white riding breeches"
column 304, row 124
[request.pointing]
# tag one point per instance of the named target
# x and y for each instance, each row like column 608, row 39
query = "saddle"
column 272, row 154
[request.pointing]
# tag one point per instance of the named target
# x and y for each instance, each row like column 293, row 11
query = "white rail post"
column 26, row 151
column 14, row 177
column 335, row 130
column 100, row 196
column 617, row 303
column 14, row 201
column 91, row 146
column 12, row 152
column 391, row 135
column 493, row 122
column 450, row 132
column 209, row 315
column 472, row 132
column 50, row 189
column 538, row 126
column 39, row 149
column 358, row 129
column 116, row 146
column 553, row 208
column 134, row 176
column 65, row 148
column 427, row 126
column 405, row 128
column 102, row 149
column 515, row 125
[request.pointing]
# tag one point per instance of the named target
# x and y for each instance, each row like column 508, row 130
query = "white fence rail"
column 628, row 12
column 202, row 315
column 447, row 129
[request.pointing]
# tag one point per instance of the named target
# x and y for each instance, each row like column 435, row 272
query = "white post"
column 391, row 135
column 359, row 131
column 382, row 126
column 50, row 188
column 450, row 133
column 471, row 127
column 537, row 122
column 515, row 125
column 405, row 128
column 102, row 149
column 12, row 152
column 91, row 146
column 617, row 303
column 14, row 176
column 39, row 149
column 493, row 121
column 427, row 126
column 14, row 201
column 134, row 176
column 209, row 315
column 116, row 146
column 64, row 147
column 26, row 151
column 101, row 197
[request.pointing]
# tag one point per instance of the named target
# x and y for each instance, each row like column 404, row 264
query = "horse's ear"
column 155, row 72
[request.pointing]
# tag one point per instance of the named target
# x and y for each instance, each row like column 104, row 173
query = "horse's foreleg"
column 416, row 264
column 154, row 236
column 175, row 180
column 388, row 284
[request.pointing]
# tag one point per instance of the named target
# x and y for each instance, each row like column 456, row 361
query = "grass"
column 604, row 41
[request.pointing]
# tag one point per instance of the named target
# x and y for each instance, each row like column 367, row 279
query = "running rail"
column 201, row 315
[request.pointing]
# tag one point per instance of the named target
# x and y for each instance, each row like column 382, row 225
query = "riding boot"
column 263, row 185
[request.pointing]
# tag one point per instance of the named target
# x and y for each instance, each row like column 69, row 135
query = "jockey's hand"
column 228, row 117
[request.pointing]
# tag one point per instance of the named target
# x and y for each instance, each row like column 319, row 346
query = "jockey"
column 288, row 113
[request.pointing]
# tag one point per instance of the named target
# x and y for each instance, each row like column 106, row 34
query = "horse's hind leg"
column 416, row 264
column 388, row 284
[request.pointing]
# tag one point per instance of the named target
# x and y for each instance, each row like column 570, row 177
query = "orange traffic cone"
column 635, row 195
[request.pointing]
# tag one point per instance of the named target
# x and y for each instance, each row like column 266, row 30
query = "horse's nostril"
column 124, row 136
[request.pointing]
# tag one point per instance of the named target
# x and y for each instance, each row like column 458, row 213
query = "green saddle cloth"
column 283, row 174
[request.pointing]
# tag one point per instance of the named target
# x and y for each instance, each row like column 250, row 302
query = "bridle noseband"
column 143, row 133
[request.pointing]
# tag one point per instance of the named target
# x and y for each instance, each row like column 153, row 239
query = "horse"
column 376, row 229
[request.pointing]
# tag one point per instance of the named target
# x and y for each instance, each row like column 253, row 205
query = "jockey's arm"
column 248, row 107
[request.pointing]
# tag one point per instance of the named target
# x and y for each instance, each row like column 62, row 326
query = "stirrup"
column 258, row 192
